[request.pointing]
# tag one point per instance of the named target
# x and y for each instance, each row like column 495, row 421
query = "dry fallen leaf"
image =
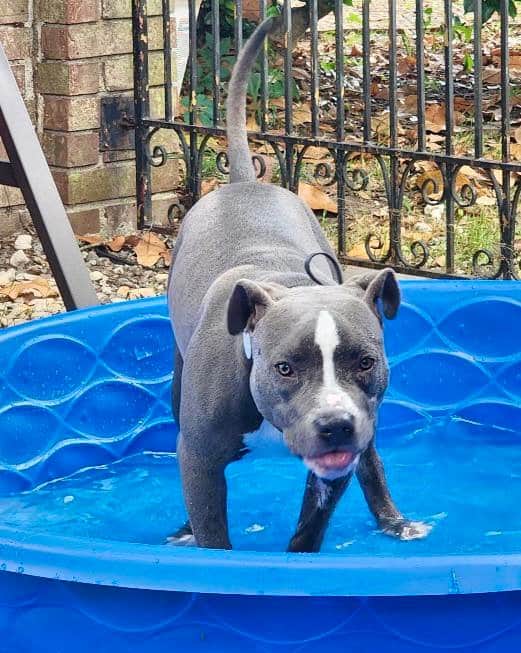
column 117, row 243
column 492, row 76
column 149, row 250
column 380, row 124
column 207, row 185
column 515, row 151
column 517, row 135
column 411, row 102
column 435, row 117
column 167, row 257
column 315, row 153
column 301, row 116
column 462, row 104
column 277, row 102
column 431, row 180
column 379, row 91
column 316, row 198
column 406, row 65
column 358, row 251
column 356, row 51
column 132, row 241
column 40, row 288
column 252, row 124
column 92, row 239
column 467, row 173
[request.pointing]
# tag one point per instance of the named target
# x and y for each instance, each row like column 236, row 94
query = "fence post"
column 141, row 111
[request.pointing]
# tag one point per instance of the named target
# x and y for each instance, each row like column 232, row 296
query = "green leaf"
column 327, row 66
column 468, row 62
column 354, row 18
column 225, row 45
column 489, row 8
column 273, row 10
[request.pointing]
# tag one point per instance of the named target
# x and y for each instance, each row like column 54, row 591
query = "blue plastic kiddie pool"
column 89, row 490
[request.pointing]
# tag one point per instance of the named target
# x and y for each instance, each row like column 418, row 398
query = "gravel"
column 19, row 259
column 22, row 259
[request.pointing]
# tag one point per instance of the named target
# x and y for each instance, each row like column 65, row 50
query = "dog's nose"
column 335, row 429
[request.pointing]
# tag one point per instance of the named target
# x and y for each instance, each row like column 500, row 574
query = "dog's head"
column 319, row 370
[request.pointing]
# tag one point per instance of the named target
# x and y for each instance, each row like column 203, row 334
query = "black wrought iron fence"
column 384, row 168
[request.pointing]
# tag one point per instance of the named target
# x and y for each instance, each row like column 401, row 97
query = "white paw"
column 415, row 530
column 184, row 540
column 405, row 530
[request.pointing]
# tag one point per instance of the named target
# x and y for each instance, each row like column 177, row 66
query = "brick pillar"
column 86, row 48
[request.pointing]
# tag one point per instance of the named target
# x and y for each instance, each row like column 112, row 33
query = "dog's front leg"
column 372, row 479
column 320, row 500
column 204, row 488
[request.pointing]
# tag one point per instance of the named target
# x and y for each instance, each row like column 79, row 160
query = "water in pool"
column 462, row 478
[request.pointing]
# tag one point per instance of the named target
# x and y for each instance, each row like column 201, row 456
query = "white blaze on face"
column 327, row 339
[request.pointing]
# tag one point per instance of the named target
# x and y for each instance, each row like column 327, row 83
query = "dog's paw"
column 405, row 530
column 187, row 539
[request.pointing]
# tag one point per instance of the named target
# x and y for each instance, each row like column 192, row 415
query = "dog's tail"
column 239, row 157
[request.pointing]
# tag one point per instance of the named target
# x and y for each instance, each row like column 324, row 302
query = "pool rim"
column 189, row 569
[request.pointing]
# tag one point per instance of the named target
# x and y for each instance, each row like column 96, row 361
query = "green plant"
column 327, row 66
column 204, row 108
column 274, row 9
column 427, row 17
column 464, row 33
column 475, row 230
column 226, row 19
column 407, row 45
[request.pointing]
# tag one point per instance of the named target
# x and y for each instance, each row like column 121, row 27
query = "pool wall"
column 38, row 615
column 90, row 387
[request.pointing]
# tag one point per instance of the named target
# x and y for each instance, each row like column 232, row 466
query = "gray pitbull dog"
column 258, row 342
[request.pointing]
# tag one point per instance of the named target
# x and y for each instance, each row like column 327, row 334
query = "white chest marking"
column 266, row 441
column 327, row 339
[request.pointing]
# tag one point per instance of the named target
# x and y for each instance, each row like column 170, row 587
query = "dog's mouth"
column 332, row 464
column 333, row 460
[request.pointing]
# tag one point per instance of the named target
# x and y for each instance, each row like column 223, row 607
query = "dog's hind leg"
column 184, row 535
column 320, row 500
column 176, row 383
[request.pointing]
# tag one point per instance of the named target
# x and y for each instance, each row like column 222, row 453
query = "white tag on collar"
column 246, row 342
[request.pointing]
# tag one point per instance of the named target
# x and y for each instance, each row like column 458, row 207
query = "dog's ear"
column 381, row 287
column 249, row 302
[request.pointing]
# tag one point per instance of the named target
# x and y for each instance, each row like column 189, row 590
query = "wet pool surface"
column 461, row 477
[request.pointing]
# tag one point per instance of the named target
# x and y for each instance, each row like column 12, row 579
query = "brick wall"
column 67, row 56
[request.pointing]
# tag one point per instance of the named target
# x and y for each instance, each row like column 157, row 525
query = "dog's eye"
column 366, row 363
column 284, row 369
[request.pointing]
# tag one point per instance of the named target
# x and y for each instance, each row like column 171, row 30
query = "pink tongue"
column 335, row 460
